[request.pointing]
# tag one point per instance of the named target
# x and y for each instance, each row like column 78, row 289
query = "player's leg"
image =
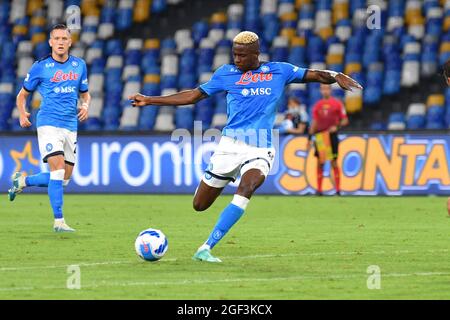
column 49, row 142
column 222, row 169
column 319, row 171
column 205, row 195
column 69, row 154
column 41, row 179
column 56, row 192
column 334, row 165
column 254, row 172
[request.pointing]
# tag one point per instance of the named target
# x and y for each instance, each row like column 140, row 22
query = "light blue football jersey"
column 59, row 84
column 252, row 98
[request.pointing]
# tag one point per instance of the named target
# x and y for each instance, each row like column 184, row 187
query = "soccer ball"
column 151, row 244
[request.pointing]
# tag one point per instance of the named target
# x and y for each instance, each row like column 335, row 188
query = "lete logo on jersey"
column 249, row 77
column 61, row 76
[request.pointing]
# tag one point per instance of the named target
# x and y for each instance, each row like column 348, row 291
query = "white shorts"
column 233, row 157
column 57, row 141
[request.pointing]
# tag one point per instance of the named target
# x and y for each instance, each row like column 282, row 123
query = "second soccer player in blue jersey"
column 253, row 90
column 59, row 78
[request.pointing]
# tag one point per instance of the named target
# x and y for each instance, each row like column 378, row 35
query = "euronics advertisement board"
column 372, row 164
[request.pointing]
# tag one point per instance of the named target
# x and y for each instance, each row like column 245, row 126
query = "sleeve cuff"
column 26, row 89
column 203, row 91
column 83, row 91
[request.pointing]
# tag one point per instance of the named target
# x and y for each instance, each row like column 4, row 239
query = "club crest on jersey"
column 265, row 69
column 61, row 76
column 249, row 77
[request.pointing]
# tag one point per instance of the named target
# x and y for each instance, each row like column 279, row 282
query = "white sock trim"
column 22, row 182
column 66, row 182
column 240, row 201
column 57, row 174
column 204, row 246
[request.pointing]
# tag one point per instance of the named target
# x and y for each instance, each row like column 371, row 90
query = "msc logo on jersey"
column 61, row 76
column 68, row 89
column 256, row 92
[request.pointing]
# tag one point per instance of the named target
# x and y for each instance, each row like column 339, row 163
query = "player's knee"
column 199, row 205
column 247, row 189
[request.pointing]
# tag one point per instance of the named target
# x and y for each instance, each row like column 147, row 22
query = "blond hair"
column 246, row 37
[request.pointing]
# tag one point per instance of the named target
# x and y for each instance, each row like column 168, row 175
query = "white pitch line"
column 262, row 256
column 203, row 281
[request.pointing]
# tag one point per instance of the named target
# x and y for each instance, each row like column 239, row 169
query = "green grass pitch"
column 282, row 248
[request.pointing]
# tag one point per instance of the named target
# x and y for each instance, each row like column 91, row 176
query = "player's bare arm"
column 329, row 77
column 313, row 127
column 180, row 98
column 83, row 110
column 21, row 101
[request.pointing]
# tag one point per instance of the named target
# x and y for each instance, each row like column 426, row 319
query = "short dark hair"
column 446, row 69
column 59, row 26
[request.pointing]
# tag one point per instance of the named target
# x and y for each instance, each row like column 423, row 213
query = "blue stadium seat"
column 184, row 118
column 124, row 19
column 204, row 111
column 392, row 82
column 200, row 30
column 108, row 14
column 113, row 47
column 416, row 122
column 397, row 117
column 147, row 118
column 97, row 66
column 372, row 94
column 159, row 6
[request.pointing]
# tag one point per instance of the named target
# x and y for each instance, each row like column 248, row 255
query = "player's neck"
column 253, row 67
column 60, row 58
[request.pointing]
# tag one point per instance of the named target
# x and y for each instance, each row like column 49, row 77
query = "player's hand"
column 83, row 113
column 138, row 100
column 23, row 120
column 347, row 83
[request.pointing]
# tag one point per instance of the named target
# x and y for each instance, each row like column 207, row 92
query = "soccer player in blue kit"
column 59, row 78
column 253, row 89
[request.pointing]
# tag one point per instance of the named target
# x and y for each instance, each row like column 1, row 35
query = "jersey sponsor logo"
column 249, row 77
column 27, row 78
column 256, row 92
column 49, row 64
column 85, row 81
column 68, row 89
column 61, row 76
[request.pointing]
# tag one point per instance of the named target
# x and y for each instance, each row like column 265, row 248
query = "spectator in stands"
column 328, row 116
column 296, row 118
